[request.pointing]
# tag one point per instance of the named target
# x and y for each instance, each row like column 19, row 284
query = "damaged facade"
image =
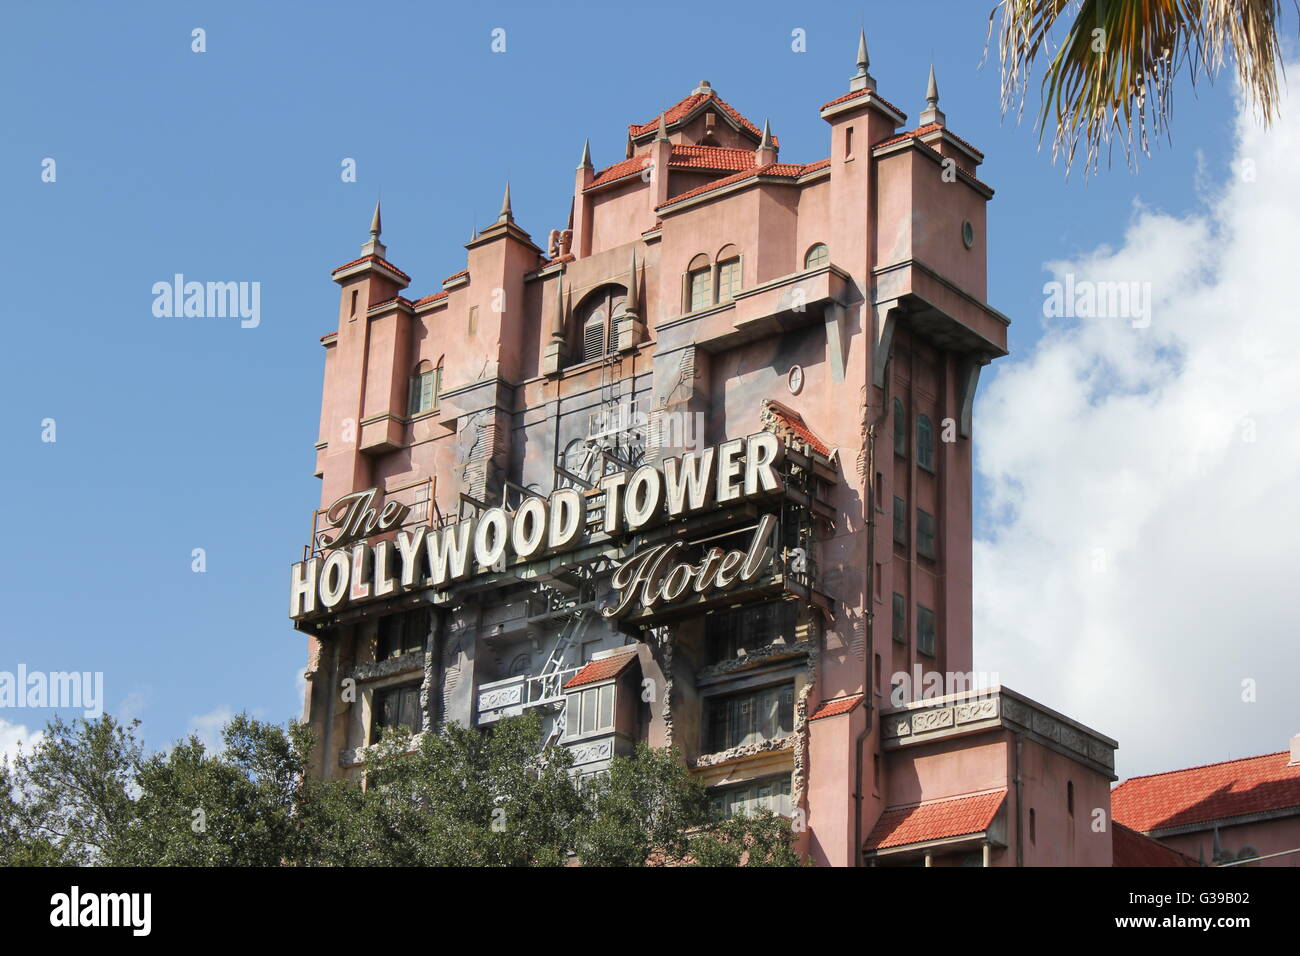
column 704, row 291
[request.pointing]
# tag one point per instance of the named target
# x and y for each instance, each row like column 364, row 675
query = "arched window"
column 728, row 273
column 595, row 317
column 426, row 384
column 816, row 256
column 900, row 428
column 699, row 284
column 924, row 442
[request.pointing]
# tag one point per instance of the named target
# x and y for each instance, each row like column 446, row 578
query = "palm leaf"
column 1110, row 79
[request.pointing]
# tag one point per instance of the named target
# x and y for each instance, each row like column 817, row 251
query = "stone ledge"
column 924, row 721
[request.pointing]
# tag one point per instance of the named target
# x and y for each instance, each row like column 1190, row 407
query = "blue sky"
column 177, row 434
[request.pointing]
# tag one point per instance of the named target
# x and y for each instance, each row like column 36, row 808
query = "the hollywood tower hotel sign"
column 369, row 555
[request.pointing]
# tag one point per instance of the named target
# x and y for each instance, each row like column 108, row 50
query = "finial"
column 766, row 141
column 704, row 89
column 932, row 113
column 375, row 225
column 506, row 214
column 663, row 128
column 630, row 305
column 862, row 80
column 557, row 323
column 586, row 155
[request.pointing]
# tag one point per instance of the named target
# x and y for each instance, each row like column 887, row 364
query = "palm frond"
column 1110, row 79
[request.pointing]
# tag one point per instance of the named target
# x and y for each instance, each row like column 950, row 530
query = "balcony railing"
column 500, row 699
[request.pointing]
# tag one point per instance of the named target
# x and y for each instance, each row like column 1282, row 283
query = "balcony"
column 500, row 699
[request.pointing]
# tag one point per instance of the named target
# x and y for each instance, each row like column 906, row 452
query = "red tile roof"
column 782, row 170
column 856, row 93
column 682, row 157
column 619, row 170
column 1131, row 848
column 1202, row 795
column 430, row 298
column 935, row 821
column 685, row 107
column 788, row 418
column 456, row 275
column 925, row 131
column 383, row 262
column 687, row 156
column 833, row 708
column 603, row 669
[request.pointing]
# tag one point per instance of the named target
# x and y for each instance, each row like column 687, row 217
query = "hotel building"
column 695, row 469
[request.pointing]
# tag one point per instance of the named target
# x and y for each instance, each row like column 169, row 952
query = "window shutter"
column 593, row 338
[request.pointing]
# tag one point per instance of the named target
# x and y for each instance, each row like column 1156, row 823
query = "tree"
column 758, row 839
column 87, row 794
column 645, row 804
column 1112, row 73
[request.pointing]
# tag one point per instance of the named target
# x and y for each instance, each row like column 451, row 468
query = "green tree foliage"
column 87, row 794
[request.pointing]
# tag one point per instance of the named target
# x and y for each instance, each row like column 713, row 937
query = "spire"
column 766, row 152
column 630, row 306
column 932, row 113
column 862, row 80
column 585, row 163
column 663, row 129
column 506, row 214
column 372, row 246
column 557, row 322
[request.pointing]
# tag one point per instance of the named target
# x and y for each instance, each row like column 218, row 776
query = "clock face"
column 796, row 379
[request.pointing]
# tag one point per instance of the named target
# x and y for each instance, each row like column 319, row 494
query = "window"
column 818, row 255
column 700, row 292
column 924, row 442
column 426, row 383
column 397, row 707
column 594, row 320
column 1033, row 826
column 900, row 428
column 848, row 143
column 473, row 319
column 770, row 793
column 900, row 521
column 593, row 338
column 924, row 630
column 728, row 279
column 353, row 313
column 589, row 710
column 749, row 718
column 402, row 634
column 900, row 619
column 1069, row 797
column 737, row 631
column 925, row 534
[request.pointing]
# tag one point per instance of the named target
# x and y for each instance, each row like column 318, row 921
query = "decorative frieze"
column 925, row 720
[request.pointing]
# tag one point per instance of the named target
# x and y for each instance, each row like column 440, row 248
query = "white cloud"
column 207, row 727
column 1141, row 559
column 11, row 735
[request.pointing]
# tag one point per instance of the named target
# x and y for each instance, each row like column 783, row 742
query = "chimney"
column 1295, row 751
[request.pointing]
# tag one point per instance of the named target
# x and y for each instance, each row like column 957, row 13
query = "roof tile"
column 833, row 708
column 935, row 821
column 603, row 669
column 1216, row 791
